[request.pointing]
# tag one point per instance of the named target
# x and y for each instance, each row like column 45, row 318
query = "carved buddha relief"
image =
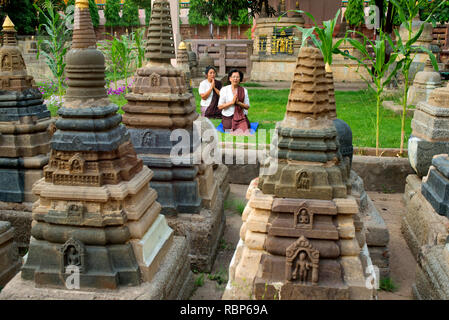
column 6, row 62
column 303, row 218
column 73, row 254
column 155, row 80
column 302, row 262
column 76, row 164
column 303, row 181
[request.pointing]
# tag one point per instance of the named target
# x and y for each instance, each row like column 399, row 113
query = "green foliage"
column 199, row 281
column 221, row 276
column 235, row 205
column 56, row 44
column 23, row 15
column 138, row 38
column 440, row 16
column 93, row 9
column 120, row 53
column 377, row 67
column 142, row 3
column 130, row 16
column 148, row 16
column 354, row 13
column 325, row 36
column 195, row 13
column 243, row 18
column 112, row 13
column 408, row 50
column 387, row 284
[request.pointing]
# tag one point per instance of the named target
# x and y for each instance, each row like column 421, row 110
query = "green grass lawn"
column 357, row 108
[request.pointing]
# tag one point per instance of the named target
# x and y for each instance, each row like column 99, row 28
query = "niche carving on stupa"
column 73, row 256
column 303, row 218
column 76, row 164
column 6, row 64
column 303, row 180
column 149, row 139
column 155, row 80
column 302, row 262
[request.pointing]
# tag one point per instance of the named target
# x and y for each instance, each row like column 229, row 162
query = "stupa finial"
column 83, row 30
column 160, row 44
column 82, row 4
column 309, row 94
column 85, row 68
column 9, row 38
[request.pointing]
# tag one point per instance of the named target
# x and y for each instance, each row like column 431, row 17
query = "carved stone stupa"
column 24, row 136
column 298, row 238
column 159, row 103
column 182, row 61
column 424, row 83
column 425, row 226
column 96, row 215
column 430, row 130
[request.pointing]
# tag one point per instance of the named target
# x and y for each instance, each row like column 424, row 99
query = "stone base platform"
column 421, row 225
column 173, row 280
column 19, row 215
column 376, row 232
column 203, row 230
column 427, row 234
column 221, row 175
column 10, row 262
column 432, row 277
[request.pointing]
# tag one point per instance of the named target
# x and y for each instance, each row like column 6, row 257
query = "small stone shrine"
column 300, row 237
column 10, row 261
column 96, row 217
column 425, row 226
column 430, row 130
column 25, row 131
column 193, row 61
column 159, row 104
column 205, row 61
column 275, row 51
column 182, row 61
column 424, row 83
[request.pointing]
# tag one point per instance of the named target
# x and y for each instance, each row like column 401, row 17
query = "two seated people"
column 229, row 103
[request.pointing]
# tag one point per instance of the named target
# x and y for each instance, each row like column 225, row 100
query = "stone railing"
column 226, row 53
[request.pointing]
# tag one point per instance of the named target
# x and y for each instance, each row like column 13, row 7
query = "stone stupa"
column 300, row 235
column 424, row 83
column 96, row 218
column 182, row 61
column 159, row 103
column 430, row 130
column 25, row 132
column 425, row 226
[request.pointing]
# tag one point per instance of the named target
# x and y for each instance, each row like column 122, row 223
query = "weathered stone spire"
column 309, row 93
column 83, row 31
column 85, row 64
column 160, row 44
column 9, row 38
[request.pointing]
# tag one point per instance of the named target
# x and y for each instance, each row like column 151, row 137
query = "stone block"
column 203, row 234
column 421, row 225
column 421, row 152
column 436, row 187
column 10, row 261
column 164, row 286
